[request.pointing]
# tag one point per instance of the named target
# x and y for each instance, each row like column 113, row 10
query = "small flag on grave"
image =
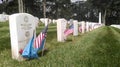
column 34, row 45
column 69, row 30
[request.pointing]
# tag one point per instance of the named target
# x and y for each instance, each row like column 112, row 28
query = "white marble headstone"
column 22, row 26
column 87, row 26
column 100, row 20
column 54, row 21
column 2, row 18
column 83, row 26
column 75, row 25
column 37, row 21
column 61, row 27
column 45, row 21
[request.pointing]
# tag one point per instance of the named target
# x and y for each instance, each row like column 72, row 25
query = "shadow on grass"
column 105, row 49
column 44, row 52
column 69, row 40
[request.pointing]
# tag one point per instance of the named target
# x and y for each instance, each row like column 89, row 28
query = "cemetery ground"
column 98, row 48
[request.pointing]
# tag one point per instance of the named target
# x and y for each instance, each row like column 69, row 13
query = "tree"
column 106, row 7
column 20, row 4
column 12, row 7
column 44, row 8
column 9, row 6
column 83, row 11
column 56, row 8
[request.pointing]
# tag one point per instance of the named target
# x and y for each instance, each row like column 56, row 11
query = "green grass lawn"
column 98, row 48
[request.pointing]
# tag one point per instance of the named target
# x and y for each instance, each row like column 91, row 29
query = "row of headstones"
column 4, row 17
column 48, row 20
column 54, row 21
column 23, row 25
column 88, row 26
column 78, row 27
column 116, row 26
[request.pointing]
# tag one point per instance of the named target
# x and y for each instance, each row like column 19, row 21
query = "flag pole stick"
column 43, row 48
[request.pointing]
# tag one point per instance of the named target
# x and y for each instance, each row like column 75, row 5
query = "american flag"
column 38, row 42
column 69, row 30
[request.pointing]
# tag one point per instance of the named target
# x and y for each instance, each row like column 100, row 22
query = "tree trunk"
column 24, row 8
column 104, row 18
column 20, row 4
column 44, row 8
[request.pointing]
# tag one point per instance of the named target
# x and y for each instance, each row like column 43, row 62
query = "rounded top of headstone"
column 4, row 13
column 75, row 21
column 18, row 14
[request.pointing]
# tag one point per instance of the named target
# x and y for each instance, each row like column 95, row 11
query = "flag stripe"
column 38, row 40
column 69, row 30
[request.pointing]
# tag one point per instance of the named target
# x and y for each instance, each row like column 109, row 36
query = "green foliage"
column 98, row 48
column 84, row 11
column 9, row 7
column 110, row 10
